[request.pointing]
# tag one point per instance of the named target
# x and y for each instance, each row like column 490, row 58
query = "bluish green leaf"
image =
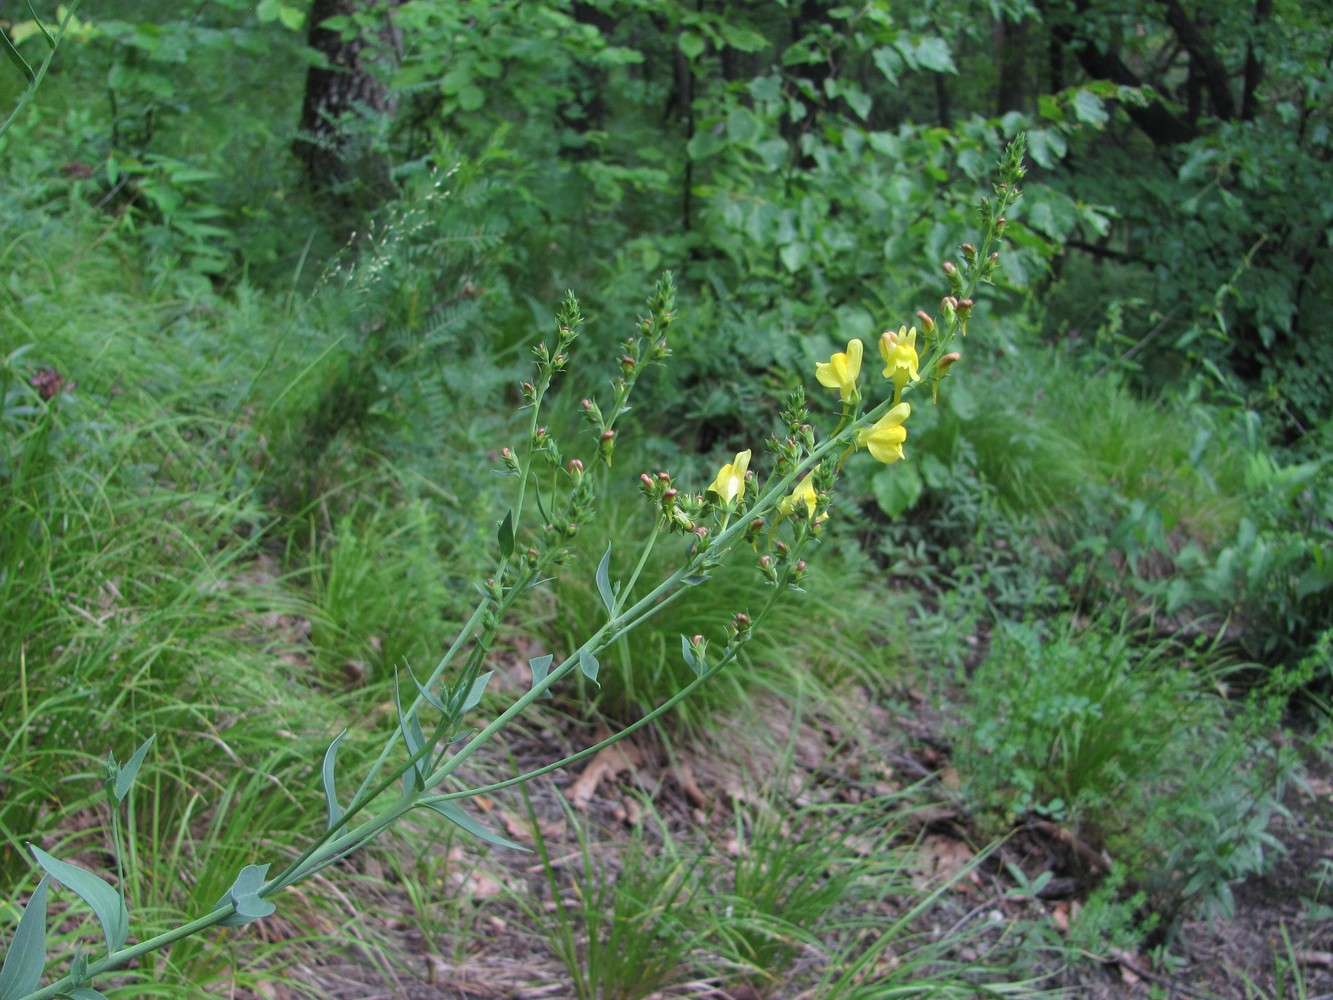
column 244, row 893
column 330, row 781
column 21, row 973
column 430, row 698
column 506, row 535
column 589, row 666
column 475, row 692
column 694, row 579
column 105, row 902
column 604, row 581
column 541, row 666
column 84, row 993
column 455, row 814
column 691, row 661
column 126, row 775
column 413, row 740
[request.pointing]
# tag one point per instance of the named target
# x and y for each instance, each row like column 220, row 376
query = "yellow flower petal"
column 901, row 361
column 885, row 438
column 730, row 482
column 803, row 494
column 841, row 371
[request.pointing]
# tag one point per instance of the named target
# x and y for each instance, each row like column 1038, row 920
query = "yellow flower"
column 900, row 358
column 730, row 482
column 803, row 494
column 885, row 439
column 840, row 371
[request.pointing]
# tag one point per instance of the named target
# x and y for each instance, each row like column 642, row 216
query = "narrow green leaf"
column 244, row 893
column 106, row 903
column 21, row 973
column 687, row 651
column 413, row 738
column 17, row 59
column 604, row 581
column 84, row 993
column 506, row 535
column 589, row 666
column 125, row 777
column 431, row 699
column 541, row 666
column 475, row 692
column 694, row 579
column 330, row 782
column 50, row 38
column 455, row 814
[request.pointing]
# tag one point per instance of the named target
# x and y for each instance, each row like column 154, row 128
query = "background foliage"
column 247, row 402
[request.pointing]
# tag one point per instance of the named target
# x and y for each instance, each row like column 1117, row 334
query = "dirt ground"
column 1278, row 945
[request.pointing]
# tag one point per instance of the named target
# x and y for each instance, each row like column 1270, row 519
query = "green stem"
column 119, row 958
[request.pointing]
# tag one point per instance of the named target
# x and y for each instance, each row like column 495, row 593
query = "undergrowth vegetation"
column 261, row 424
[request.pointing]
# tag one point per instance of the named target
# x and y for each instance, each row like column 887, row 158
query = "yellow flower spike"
column 840, row 371
column 730, row 482
column 885, row 439
column 901, row 362
column 803, row 494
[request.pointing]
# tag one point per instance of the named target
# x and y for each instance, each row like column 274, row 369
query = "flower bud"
column 669, row 497
column 949, row 268
column 947, row 362
column 575, row 469
column 627, row 363
column 969, row 251
column 587, row 404
column 927, row 324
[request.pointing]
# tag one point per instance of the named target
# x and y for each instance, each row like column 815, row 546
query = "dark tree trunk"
column 343, row 96
column 1254, row 67
column 1161, row 125
column 1011, row 61
column 1203, row 59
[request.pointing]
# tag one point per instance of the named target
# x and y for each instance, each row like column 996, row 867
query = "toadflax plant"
column 777, row 506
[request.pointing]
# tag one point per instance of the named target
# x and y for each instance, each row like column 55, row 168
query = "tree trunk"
column 345, row 96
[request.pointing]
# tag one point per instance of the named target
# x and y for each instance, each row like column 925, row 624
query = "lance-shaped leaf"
column 691, row 661
column 475, row 692
column 589, row 666
column 46, row 34
column 244, row 895
column 330, row 779
column 105, row 902
column 604, row 581
column 505, row 535
column 84, row 993
column 125, row 776
column 19, row 62
column 541, row 666
column 21, row 973
column 455, row 814
column 413, row 740
column 431, row 699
